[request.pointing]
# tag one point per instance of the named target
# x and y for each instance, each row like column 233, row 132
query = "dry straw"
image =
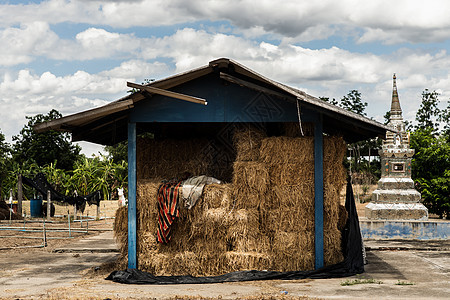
column 292, row 129
column 263, row 220
column 247, row 142
column 216, row 196
column 250, row 184
column 282, row 150
column 171, row 158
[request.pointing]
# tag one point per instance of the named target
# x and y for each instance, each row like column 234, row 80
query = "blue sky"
column 76, row 55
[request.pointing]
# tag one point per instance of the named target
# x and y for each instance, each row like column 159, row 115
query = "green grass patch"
column 404, row 283
column 360, row 281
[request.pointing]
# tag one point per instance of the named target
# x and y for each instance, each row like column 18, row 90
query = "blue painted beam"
column 132, row 236
column 318, row 192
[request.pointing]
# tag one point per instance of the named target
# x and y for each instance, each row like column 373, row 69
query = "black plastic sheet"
column 352, row 264
column 40, row 183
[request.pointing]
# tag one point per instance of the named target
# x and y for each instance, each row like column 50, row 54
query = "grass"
column 349, row 282
column 404, row 283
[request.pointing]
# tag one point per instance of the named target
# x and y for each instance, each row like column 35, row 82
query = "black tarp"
column 40, row 183
column 352, row 264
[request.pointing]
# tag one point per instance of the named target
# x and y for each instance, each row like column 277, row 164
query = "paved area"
column 419, row 270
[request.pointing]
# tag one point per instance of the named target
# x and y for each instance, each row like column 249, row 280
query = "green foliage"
column 332, row 101
column 428, row 111
column 5, row 161
column 431, row 170
column 92, row 174
column 444, row 117
column 352, row 102
column 118, row 152
column 349, row 282
column 47, row 147
column 357, row 163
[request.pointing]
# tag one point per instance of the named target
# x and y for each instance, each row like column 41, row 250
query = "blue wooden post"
column 318, row 192
column 132, row 258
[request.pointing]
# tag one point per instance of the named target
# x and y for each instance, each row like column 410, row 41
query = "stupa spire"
column 396, row 110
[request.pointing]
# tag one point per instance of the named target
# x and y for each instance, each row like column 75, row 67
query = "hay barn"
column 277, row 150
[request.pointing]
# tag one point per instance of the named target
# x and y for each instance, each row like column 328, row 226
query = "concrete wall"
column 421, row 230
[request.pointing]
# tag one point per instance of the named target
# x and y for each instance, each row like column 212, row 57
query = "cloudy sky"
column 76, row 55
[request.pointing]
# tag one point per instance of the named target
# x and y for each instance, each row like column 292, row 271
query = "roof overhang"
column 101, row 125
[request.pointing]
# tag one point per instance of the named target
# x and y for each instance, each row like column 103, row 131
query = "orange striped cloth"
column 168, row 209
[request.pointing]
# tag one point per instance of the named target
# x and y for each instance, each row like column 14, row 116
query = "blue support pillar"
column 132, row 258
column 318, row 192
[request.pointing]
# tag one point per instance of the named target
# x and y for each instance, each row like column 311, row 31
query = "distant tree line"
column 53, row 154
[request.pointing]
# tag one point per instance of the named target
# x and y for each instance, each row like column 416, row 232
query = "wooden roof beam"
column 167, row 93
column 253, row 86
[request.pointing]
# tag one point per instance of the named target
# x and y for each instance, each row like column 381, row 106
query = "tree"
column 47, row 147
column 445, row 118
column 352, row 102
column 332, row 101
column 431, row 170
column 431, row 162
column 4, row 162
column 428, row 112
column 118, row 152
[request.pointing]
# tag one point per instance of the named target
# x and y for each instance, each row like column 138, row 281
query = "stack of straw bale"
column 334, row 181
column 263, row 220
column 171, row 158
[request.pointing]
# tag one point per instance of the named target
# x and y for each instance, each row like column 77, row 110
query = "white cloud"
column 380, row 20
column 25, row 93
column 328, row 71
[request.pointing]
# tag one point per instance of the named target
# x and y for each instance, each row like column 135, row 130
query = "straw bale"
column 331, row 206
column 243, row 233
column 332, row 246
column 282, row 150
column 211, row 264
column 180, row 232
column 291, row 219
column 334, row 148
column 247, row 143
column 288, row 241
column 298, row 196
column 253, row 176
column 292, row 129
column 166, row 264
column 171, row 158
column 334, row 154
column 153, row 262
column 293, row 251
column 146, row 204
column 208, row 231
column 121, row 229
column 288, row 174
column 252, row 260
column 250, row 184
column 216, row 195
column 257, row 242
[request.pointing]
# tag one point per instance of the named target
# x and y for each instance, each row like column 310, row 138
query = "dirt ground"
column 77, row 270
column 75, row 267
